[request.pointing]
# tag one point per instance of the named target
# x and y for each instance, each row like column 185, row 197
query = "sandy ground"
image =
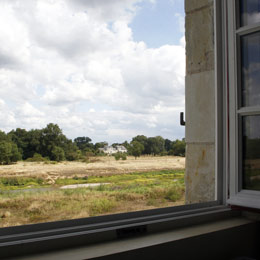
column 99, row 166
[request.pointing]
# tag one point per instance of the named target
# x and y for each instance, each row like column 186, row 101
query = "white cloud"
column 27, row 110
column 181, row 21
column 106, row 10
column 66, row 61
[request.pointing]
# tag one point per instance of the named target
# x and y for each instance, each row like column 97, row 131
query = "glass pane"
column 90, row 95
column 250, row 55
column 249, row 11
column 251, row 153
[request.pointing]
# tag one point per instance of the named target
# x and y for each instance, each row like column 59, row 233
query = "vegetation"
column 119, row 156
column 8, row 152
column 142, row 145
column 34, row 192
column 12, row 183
column 37, row 158
column 117, row 193
column 136, row 148
column 50, row 143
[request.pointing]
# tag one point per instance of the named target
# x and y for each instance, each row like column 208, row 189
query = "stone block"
column 200, row 173
column 200, row 41
column 200, row 107
column 191, row 5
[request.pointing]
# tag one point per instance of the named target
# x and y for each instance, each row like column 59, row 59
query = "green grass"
column 125, row 192
column 69, row 181
column 98, row 206
column 163, row 175
column 14, row 183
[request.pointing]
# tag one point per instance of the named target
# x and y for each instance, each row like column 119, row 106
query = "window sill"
column 146, row 241
column 147, row 230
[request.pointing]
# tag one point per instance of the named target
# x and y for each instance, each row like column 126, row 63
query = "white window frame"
column 62, row 234
column 237, row 195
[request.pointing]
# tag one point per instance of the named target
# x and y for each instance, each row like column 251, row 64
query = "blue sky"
column 158, row 23
column 107, row 69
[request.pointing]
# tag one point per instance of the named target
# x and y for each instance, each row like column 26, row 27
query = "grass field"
column 31, row 192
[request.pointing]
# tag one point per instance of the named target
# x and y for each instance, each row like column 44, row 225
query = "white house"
column 121, row 149
column 111, row 150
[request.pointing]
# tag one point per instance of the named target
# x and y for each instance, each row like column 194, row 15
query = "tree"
column 167, row 144
column 71, row 150
column 3, row 136
column 20, row 138
column 34, row 143
column 5, row 152
column 144, row 141
column 58, row 154
column 114, row 145
column 51, row 137
column 136, row 149
column 155, row 145
column 16, row 155
column 8, row 152
column 178, row 147
column 83, row 143
column 99, row 145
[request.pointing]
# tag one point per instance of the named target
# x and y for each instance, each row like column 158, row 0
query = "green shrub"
column 37, row 158
column 164, row 153
column 22, row 181
column 119, row 156
column 89, row 154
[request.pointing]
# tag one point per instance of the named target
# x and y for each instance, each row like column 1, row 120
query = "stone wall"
column 200, row 101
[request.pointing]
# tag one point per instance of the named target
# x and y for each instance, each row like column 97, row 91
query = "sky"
column 106, row 69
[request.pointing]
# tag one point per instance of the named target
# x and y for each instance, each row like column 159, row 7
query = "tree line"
column 142, row 145
column 50, row 143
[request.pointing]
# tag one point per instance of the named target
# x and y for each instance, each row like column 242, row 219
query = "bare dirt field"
column 98, row 166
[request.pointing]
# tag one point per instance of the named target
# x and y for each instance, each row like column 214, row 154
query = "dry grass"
column 99, row 167
column 151, row 186
column 28, row 208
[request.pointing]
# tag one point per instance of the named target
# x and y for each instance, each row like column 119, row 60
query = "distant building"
column 121, row 149
column 111, row 150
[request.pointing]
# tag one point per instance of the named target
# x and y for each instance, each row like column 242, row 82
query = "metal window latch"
column 131, row 232
column 182, row 122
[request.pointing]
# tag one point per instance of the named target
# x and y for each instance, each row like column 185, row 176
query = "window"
column 108, row 227
column 105, row 74
column 82, row 77
column 244, row 101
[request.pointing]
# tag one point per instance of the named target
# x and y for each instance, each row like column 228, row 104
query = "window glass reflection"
column 251, row 153
column 249, row 12
column 250, row 54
